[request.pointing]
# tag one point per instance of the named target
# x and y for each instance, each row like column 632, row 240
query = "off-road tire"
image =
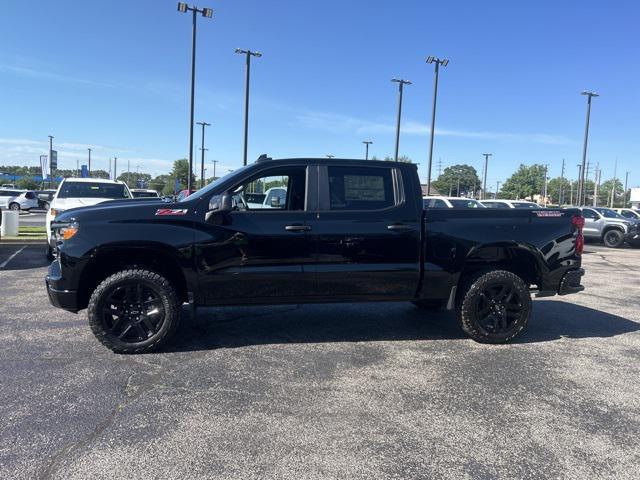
column 468, row 300
column 613, row 238
column 149, row 279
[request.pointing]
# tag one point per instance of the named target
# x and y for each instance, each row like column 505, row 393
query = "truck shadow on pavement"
column 235, row 327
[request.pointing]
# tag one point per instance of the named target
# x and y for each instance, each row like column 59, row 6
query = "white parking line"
column 6, row 262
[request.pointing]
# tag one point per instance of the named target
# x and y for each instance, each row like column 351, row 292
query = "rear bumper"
column 570, row 283
column 58, row 295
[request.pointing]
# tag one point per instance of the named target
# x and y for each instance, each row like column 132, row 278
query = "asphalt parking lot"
column 328, row 391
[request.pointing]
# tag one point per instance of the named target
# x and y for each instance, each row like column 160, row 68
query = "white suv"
column 82, row 192
column 509, row 204
column 450, row 202
column 17, row 200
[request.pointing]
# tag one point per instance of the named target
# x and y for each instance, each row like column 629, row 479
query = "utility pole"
column 110, row 172
column 115, row 168
column 615, row 182
column 578, row 186
column 571, row 187
column 89, row 166
column 77, row 167
column 561, row 192
column 401, row 84
column 367, row 143
column 596, row 185
column 202, row 149
column 214, row 168
column 589, row 95
column 444, row 62
column 544, row 196
column 585, row 193
column 484, row 181
column 626, row 181
column 439, row 166
column 50, row 161
column 207, row 13
column 248, row 54
column 497, row 189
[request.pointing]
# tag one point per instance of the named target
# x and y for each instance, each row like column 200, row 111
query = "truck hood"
column 126, row 209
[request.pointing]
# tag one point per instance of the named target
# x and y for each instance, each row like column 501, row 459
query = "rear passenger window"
column 360, row 188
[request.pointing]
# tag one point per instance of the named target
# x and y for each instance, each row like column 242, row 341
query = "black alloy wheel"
column 613, row 238
column 493, row 306
column 134, row 311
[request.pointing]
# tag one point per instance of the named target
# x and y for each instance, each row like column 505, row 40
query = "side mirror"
column 218, row 205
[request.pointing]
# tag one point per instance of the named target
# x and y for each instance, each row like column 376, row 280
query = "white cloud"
column 340, row 124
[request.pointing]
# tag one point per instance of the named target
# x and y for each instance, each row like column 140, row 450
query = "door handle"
column 400, row 227
column 297, row 228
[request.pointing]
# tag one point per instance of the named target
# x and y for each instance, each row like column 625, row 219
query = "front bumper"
column 632, row 238
column 58, row 295
column 570, row 282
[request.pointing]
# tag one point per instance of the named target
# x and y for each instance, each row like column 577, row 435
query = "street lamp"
column 589, row 95
column 206, row 13
column 484, row 181
column 204, row 124
column 89, row 166
column 401, row 84
column 366, row 151
column 444, row 62
column 248, row 54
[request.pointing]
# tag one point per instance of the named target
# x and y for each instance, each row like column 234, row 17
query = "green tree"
column 181, row 172
column 554, row 187
column 27, row 183
column 131, row 178
column 448, row 180
column 604, row 193
column 402, row 158
column 526, row 182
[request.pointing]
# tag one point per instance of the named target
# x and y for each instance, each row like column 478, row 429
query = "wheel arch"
column 108, row 260
column 522, row 260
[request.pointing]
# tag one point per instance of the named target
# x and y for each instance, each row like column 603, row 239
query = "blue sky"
column 114, row 76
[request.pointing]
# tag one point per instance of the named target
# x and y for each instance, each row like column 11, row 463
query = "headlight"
column 68, row 231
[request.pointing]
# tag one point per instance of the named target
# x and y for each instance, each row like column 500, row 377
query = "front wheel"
column 15, row 207
column 134, row 311
column 494, row 307
column 613, row 239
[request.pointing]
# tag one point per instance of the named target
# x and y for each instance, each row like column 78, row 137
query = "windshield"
column 525, row 205
column 465, row 203
column 93, row 190
column 203, row 191
column 144, row 194
column 608, row 213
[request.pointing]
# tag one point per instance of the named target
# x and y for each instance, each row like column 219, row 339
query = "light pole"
column 561, row 193
column 248, row 54
column 202, row 149
column 207, row 13
column 615, row 182
column 115, row 168
column 589, row 95
column 626, row 182
column 89, row 166
column 444, row 62
column 497, row 189
column 50, row 161
column 214, row 168
column 366, row 151
column 401, row 84
column 544, row 196
column 484, row 181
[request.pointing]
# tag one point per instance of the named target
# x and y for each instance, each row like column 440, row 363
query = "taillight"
column 578, row 222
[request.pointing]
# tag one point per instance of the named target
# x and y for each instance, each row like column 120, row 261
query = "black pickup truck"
column 307, row 231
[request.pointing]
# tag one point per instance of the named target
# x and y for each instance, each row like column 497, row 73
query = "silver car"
column 17, row 200
column 610, row 227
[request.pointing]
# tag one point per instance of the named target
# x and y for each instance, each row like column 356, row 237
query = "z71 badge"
column 171, row 211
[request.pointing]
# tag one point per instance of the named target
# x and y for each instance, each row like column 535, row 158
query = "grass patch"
column 32, row 229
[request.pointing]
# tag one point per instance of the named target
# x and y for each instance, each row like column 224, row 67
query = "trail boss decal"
column 543, row 213
column 171, row 211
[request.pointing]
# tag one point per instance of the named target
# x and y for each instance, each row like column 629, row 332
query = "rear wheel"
column 134, row 311
column 613, row 238
column 493, row 307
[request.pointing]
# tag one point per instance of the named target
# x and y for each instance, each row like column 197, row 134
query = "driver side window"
column 280, row 188
column 590, row 215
